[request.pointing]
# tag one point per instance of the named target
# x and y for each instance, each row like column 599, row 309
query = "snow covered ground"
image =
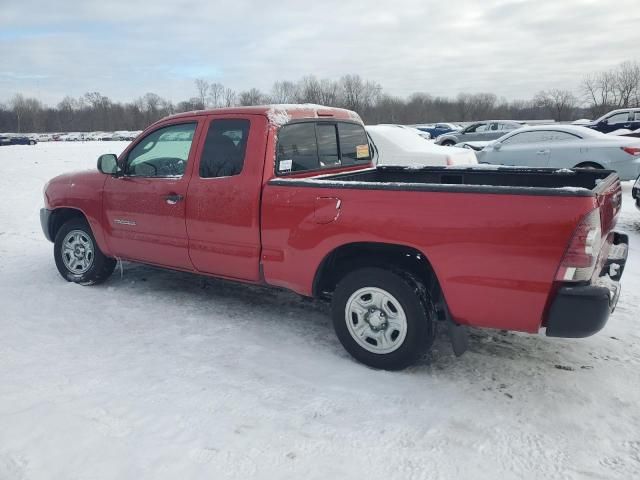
column 161, row 375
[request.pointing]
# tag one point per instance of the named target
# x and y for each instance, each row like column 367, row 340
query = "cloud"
column 125, row 49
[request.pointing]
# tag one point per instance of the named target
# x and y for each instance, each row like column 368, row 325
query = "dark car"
column 635, row 192
column 16, row 140
column 437, row 129
column 627, row 118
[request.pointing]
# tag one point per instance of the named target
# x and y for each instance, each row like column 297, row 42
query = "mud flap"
column 459, row 337
column 458, row 334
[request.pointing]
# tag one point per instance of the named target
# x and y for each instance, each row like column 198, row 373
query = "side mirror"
column 497, row 146
column 108, row 164
column 604, row 122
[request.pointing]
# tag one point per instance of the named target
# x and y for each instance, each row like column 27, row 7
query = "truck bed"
column 506, row 180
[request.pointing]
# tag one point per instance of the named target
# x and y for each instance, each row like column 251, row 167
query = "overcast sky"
column 124, row 49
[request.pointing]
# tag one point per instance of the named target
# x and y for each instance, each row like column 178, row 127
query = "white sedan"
column 400, row 146
column 565, row 146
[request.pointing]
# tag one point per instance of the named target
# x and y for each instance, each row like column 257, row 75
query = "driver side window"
column 162, row 153
column 618, row 118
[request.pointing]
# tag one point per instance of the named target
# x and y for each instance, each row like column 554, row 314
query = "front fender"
column 78, row 192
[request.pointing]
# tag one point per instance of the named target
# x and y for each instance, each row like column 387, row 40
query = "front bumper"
column 45, row 223
column 581, row 311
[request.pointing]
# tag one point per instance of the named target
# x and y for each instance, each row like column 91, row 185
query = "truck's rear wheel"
column 78, row 256
column 383, row 319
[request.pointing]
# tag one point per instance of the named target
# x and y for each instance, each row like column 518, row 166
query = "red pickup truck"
column 288, row 196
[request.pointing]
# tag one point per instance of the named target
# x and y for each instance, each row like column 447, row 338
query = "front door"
column 615, row 122
column 145, row 208
column 526, row 149
column 475, row 133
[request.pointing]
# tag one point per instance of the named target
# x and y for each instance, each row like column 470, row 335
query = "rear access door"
column 223, row 200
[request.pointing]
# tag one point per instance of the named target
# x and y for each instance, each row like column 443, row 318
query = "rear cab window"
column 317, row 145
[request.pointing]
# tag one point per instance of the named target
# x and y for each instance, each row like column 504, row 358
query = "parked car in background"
column 105, row 136
column 437, row 129
column 627, row 118
column 565, row 146
column 16, row 140
column 44, row 137
column 73, row 137
column 399, row 146
column 123, row 135
column 479, row 131
column 409, row 128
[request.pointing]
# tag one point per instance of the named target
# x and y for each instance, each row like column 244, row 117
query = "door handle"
column 542, row 152
column 627, row 126
column 173, row 198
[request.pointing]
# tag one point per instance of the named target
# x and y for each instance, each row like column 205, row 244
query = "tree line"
column 598, row 93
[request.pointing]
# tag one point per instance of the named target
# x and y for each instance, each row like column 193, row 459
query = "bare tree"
column 252, row 97
column 627, row 84
column 230, row 97
column 559, row 103
column 329, row 92
column 309, row 90
column 357, row 94
column 216, row 95
column 616, row 88
column 284, row 92
column 17, row 104
column 202, row 87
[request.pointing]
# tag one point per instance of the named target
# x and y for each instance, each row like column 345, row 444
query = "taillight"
column 580, row 258
column 635, row 151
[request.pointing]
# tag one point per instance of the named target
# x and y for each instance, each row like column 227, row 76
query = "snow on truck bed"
column 163, row 375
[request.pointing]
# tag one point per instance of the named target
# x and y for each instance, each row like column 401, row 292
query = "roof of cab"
column 278, row 114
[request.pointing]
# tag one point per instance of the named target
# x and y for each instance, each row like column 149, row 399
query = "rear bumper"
column 626, row 170
column 581, row 311
column 45, row 223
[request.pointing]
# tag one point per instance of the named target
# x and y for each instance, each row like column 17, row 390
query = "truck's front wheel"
column 78, row 256
column 382, row 318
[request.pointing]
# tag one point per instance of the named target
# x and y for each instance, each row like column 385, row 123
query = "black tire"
column 415, row 302
column 448, row 143
column 31, row 142
column 591, row 165
column 101, row 266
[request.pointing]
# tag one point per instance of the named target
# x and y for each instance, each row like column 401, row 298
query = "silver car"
column 478, row 132
column 565, row 146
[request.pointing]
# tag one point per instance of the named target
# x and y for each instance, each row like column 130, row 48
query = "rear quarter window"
column 312, row 145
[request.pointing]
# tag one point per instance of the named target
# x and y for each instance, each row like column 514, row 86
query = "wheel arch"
column 61, row 215
column 589, row 164
column 352, row 256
